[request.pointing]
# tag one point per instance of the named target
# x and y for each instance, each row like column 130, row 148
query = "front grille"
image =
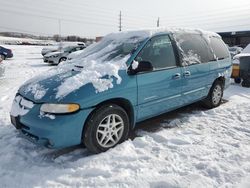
column 31, row 136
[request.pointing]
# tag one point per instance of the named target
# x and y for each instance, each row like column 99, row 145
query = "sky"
column 91, row 18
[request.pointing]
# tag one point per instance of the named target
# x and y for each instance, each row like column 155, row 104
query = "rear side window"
column 219, row 48
column 194, row 48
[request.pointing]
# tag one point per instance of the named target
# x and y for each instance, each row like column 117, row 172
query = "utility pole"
column 158, row 22
column 60, row 29
column 120, row 21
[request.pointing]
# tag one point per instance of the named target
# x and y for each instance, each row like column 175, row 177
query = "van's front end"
column 50, row 125
column 53, row 109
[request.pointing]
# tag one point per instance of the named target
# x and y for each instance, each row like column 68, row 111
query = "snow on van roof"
column 148, row 32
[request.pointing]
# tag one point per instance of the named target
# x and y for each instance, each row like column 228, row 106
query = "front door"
column 158, row 90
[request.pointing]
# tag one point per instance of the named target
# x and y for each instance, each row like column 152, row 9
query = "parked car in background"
column 125, row 78
column 59, row 56
column 244, row 55
column 234, row 50
column 59, row 46
column 5, row 53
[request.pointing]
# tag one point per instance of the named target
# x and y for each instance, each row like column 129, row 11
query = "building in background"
column 236, row 38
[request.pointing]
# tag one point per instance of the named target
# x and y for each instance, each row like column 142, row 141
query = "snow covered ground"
column 191, row 147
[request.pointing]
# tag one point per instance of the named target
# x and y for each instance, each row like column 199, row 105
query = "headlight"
column 59, row 108
column 54, row 56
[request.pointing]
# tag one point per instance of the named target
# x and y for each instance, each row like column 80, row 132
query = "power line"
column 54, row 18
column 62, row 15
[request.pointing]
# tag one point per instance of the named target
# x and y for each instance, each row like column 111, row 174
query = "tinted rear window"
column 219, row 48
column 195, row 48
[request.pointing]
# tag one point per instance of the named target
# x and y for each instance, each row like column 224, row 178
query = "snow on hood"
column 100, row 63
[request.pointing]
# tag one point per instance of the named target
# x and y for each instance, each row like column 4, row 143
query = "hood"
column 71, row 83
column 53, row 53
column 42, row 88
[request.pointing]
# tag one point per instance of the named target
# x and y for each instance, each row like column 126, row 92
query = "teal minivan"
column 127, row 77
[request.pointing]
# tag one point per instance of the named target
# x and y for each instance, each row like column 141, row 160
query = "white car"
column 60, row 56
column 59, row 46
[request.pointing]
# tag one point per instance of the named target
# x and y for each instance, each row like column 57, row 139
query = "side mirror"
column 143, row 66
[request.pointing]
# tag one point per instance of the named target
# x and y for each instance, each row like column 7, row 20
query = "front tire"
column 237, row 80
column 215, row 95
column 3, row 57
column 107, row 127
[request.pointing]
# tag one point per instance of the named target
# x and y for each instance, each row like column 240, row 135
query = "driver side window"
column 159, row 52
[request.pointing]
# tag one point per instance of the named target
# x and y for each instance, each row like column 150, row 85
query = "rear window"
column 194, row 48
column 219, row 48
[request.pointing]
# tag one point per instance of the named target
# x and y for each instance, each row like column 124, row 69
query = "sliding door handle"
column 186, row 74
column 177, row 76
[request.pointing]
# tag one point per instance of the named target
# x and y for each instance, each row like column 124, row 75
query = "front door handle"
column 186, row 74
column 176, row 76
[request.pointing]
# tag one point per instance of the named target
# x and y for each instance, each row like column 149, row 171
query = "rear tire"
column 106, row 127
column 237, row 80
column 214, row 96
column 3, row 57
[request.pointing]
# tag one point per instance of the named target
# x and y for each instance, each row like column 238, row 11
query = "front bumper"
column 58, row 132
column 10, row 55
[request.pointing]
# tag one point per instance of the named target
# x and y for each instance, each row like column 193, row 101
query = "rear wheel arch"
column 216, row 90
column 220, row 79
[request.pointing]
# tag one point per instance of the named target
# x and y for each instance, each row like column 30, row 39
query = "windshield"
column 67, row 49
column 111, row 48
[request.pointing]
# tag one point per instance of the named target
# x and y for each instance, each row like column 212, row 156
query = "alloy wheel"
column 110, row 131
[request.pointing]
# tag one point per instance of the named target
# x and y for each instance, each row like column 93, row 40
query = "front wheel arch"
column 89, row 138
column 123, row 103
